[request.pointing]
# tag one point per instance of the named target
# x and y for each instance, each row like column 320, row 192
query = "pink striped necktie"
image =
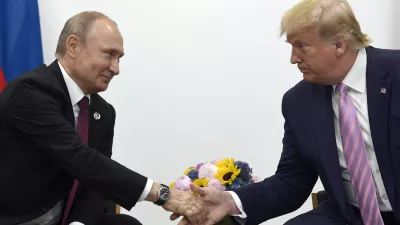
column 83, row 130
column 356, row 159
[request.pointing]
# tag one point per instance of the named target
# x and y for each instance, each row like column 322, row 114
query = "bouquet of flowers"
column 224, row 175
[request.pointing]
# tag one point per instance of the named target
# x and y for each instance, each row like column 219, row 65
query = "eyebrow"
column 114, row 50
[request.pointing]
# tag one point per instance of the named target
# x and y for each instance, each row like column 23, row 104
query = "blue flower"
column 245, row 170
column 237, row 183
column 193, row 175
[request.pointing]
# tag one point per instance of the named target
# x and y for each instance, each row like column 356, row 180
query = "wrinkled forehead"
column 105, row 40
column 106, row 43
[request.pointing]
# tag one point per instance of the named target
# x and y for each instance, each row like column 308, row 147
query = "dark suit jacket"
column 309, row 145
column 41, row 152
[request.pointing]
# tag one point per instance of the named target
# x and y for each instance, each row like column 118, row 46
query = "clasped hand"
column 208, row 208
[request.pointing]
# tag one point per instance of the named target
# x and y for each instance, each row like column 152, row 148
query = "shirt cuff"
column 76, row 223
column 238, row 204
column 146, row 190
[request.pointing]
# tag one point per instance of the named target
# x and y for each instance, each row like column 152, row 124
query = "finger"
column 198, row 215
column 198, row 190
column 174, row 216
column 203, row 210
column 191, row 216
column 206, row 213
column 196, row 206
column 184, row 221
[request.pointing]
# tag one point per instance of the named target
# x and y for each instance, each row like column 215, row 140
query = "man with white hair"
column 342, row 124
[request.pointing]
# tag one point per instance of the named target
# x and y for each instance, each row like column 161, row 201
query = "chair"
column 112, row 208
column 319, row 197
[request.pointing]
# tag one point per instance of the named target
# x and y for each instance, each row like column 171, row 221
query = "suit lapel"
column 378, row 93
column 326, row 141
column 96, row 122
column 96, row 126
column 68, row 111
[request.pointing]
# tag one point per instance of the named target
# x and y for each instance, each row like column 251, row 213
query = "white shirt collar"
column 356, row 78
column 75, row 92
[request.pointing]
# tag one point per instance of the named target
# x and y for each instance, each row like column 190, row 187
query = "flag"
column 20, row 38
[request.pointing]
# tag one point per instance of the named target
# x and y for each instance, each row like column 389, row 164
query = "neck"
column 347, row 62
column 68, row 65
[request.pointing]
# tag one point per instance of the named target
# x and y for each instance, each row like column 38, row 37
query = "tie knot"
column 84, row 103
column 342, row 88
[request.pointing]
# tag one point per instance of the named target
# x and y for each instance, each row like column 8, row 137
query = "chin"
column 102, row 87
column 310, row 78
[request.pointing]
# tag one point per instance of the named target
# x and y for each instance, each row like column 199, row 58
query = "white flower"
column 208, row 171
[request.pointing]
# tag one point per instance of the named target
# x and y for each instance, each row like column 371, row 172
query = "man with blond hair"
column 56, row 137
column 342, row 123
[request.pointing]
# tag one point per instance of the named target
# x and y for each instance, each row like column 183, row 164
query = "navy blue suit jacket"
column 309, row 144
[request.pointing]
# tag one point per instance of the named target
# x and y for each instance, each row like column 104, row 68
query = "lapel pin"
column 96, row 116
column 383, row 90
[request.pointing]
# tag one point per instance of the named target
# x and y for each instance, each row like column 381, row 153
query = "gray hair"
column 80, row 25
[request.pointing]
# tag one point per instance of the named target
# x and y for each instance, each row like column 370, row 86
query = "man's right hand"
column 218, row 203
column 191, row 207
column 185, row 204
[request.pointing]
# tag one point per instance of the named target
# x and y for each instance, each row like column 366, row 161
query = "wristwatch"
column 163, row 195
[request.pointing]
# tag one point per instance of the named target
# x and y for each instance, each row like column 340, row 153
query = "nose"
column 294, row 58
column 114, row 66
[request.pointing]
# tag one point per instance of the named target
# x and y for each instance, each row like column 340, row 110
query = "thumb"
column 174, row 216
column 198, row 190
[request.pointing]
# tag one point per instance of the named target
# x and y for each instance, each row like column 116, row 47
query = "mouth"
column 108, row 77
column 304, row 70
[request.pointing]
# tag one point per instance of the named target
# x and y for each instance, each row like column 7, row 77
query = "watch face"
column 164, row 194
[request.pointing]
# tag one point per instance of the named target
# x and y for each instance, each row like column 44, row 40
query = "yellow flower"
column 201, row 182
column 172, row 185
column 225, row 162
column 227, row 174
column 188, row 170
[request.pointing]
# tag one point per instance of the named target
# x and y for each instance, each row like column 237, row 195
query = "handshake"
column 200, row 196
column 207, row 208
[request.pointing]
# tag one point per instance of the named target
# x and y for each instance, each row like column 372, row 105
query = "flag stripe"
column 2, row 80
column 20, row 39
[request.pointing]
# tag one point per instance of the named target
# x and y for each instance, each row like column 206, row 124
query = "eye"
column 108, row 53
column 301, row 45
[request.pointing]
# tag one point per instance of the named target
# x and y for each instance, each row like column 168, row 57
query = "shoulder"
column 303, row 95
column 38, row 84
column 301, row 92
column 382, row 54
column 385, row 59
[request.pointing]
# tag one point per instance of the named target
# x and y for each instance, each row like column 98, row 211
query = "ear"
column 340, row 46
column 72, row 45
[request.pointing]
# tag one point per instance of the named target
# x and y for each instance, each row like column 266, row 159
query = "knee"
column 291, row 222
column 128, row 220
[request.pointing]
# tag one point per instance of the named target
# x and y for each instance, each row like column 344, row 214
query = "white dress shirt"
column 76, row 94
column 356, row 80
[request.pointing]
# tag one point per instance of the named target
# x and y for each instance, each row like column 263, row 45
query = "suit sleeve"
column 37, row 116
column 89, row 204
column 283, row 192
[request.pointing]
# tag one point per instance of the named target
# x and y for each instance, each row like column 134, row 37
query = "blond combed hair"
column 331, row 19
